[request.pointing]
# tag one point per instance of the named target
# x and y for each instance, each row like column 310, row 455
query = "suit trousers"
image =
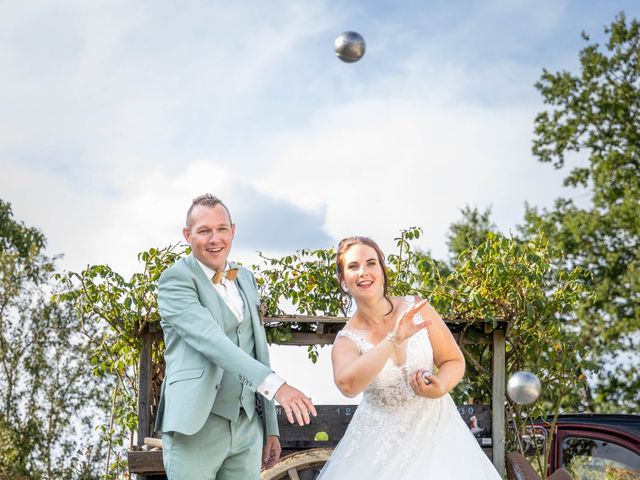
column 221, row 450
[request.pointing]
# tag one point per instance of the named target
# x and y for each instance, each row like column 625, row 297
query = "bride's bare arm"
column 353, row 372
column 447, row 357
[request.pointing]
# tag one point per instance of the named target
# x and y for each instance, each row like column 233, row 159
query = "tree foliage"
column 104, row 299
column 303, row 282
column 469, row 232
column 48, row 399
column 593, row 122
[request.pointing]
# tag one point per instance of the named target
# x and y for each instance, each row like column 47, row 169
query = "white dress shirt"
column 229, row 292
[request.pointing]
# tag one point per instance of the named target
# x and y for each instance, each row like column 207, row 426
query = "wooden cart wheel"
column 303, row 465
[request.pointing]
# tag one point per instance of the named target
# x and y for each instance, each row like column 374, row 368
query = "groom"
column 216, row 360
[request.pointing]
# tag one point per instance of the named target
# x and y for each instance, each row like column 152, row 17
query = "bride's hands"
column 405, row 326
column 433, row 389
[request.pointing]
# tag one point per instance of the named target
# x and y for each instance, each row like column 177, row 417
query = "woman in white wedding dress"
column 407, row 426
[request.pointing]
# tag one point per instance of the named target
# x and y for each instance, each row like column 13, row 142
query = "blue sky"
column 115, row 114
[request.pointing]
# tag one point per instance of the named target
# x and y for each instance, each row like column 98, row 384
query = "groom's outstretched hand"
column 271, row 452
column 295, row 403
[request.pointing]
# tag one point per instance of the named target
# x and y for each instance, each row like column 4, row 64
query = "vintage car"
column 589, row 446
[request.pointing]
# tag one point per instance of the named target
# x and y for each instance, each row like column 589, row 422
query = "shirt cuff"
column 270, row 386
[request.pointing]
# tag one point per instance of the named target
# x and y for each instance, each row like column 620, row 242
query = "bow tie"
column 230, row 274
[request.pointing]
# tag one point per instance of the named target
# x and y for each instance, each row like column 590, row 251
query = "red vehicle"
column 590, row 446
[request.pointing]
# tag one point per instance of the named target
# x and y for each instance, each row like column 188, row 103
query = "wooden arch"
column 145, row 459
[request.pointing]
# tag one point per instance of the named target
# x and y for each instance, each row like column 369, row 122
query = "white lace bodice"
column 391, row 388
column 389, row 401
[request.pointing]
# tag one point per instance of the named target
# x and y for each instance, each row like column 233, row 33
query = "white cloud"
column 72, row 223
column 382, row 165
column 147, row 211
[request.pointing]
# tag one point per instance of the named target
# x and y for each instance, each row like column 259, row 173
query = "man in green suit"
column 216, row 360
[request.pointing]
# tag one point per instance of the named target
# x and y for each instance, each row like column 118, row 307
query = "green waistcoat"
column 232, row 394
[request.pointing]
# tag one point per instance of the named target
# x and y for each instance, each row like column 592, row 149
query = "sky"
column 115, row 114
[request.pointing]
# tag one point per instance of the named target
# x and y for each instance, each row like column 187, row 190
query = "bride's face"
column 363, row 274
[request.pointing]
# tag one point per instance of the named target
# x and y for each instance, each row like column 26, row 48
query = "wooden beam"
column 472, row 341
column 304, row 319
column 304, row 338
column 321, row 319
column 480, row 333
column 310, row 338
column 145, row 462
column 144, row 388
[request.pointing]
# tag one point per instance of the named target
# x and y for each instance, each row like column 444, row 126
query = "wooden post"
column 144, row 389
column 498, row 399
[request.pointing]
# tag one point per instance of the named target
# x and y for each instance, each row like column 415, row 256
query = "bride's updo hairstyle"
column 344, row 245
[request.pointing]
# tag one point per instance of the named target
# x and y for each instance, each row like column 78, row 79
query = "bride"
column 399, row 353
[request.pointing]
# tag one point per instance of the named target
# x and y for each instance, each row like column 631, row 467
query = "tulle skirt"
column 424, row 440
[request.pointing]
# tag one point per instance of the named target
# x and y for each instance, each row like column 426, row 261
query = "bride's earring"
column 344, row 287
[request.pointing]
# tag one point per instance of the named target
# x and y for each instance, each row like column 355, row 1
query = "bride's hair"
column 348, row 242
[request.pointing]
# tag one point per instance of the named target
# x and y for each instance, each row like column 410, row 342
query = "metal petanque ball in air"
column 524, row 387
column 350, row 47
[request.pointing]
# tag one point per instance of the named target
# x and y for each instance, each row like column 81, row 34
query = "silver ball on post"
column 350, row 46
column 524, row 387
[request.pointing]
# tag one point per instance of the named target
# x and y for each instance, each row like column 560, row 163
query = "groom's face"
column 210, row 234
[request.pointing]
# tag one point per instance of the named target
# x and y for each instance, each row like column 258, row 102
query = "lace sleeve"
column 360, row 342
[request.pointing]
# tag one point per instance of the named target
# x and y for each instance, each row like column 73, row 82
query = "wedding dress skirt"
column 396, row 435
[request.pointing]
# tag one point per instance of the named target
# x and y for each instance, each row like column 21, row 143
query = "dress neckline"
column 358, row 339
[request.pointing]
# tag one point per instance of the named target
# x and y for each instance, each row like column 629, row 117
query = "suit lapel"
column 247, row 291
column 195, row 268
column 205, row 285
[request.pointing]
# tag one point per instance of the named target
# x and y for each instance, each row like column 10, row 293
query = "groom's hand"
column 271, row 452
column 294, row 402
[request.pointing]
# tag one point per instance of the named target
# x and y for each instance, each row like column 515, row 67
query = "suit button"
column 217, row 387
column 266, row 392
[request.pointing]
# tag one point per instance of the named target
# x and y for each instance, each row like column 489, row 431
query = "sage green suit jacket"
column 198, row 352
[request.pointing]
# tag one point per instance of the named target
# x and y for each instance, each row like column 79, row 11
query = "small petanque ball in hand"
column 350, row 47
column 524, row 387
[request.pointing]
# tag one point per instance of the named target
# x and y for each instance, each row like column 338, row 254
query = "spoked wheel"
column 304, row 465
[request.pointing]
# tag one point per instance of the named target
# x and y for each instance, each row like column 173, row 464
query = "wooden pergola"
column 146, row 462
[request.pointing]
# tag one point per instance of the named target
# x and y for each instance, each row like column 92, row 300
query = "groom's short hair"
column 206, row 200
